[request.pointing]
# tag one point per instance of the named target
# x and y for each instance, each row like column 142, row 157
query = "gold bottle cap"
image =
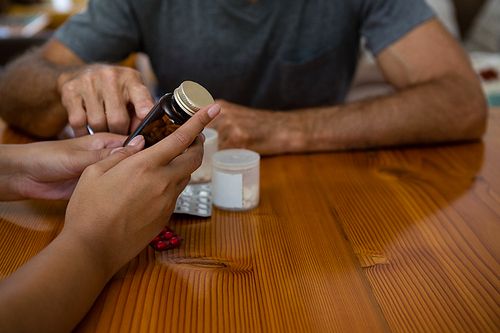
column 191, row 97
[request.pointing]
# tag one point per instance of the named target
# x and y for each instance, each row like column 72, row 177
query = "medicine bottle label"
column 227, row 189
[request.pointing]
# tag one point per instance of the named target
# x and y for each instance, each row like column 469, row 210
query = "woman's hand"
column 51, row 169
column 121, row 203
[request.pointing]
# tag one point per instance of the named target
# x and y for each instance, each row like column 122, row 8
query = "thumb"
column 91, row 149
column 119, row 154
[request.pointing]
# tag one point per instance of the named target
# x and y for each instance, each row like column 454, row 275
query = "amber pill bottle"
column 171, row 111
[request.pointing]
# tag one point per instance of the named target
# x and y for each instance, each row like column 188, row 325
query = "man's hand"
column 104, row 97
column 46, row 87
column 438, row 100
column 257, row 130
column 51, row 169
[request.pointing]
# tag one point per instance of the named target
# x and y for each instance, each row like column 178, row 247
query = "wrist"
column 11, row 169
column 90, row 252
column 290, row 134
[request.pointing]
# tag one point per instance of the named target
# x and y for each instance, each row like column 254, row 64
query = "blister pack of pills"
column 167, row 239
column 196, row 199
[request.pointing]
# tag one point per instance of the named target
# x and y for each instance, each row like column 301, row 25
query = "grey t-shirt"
column 276, row 54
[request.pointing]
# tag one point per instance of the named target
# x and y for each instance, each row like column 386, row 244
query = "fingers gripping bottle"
column 171, row 111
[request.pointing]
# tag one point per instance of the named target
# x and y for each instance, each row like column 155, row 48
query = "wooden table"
column 401, row 240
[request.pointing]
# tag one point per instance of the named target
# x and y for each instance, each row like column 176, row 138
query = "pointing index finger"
column 174, row 144
column 141, row 98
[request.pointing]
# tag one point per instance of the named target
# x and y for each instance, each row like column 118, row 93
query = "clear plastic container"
column 235, row 179
column 203, row 174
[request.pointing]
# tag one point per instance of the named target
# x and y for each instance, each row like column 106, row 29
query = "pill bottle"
column 203, row 174
column 171, row 111
column 235, row 179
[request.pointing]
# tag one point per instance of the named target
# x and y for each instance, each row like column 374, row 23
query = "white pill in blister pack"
column 196, row 199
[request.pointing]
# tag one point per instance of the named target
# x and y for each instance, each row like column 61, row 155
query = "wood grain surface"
column 401, row 240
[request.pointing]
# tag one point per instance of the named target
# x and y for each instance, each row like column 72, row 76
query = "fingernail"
column 135, row 141
column 213, row 111
column 115, row 150
column 202, row 136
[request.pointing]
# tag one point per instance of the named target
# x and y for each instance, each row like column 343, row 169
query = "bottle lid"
column 191, row 97
column 235, row 159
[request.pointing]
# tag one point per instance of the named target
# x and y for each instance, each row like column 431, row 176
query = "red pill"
column 167, row 239
column 161, row 245
column 174, row 241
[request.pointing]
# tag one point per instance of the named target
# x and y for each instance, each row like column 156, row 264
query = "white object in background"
column 235, row 179
column 62, row 6
column 204, row 173
column 487, row 66
column 446, row 13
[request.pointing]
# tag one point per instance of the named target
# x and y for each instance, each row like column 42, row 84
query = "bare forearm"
column 30, row 98
column 9, row 169
column 43, row 294
column 438, row 111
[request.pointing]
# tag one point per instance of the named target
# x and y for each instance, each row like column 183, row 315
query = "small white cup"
column 235, row 179
column 204, row 173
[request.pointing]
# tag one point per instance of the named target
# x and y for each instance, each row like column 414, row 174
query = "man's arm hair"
column 29, row 95
column 439, row 99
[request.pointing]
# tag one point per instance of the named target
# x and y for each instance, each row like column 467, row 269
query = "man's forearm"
column 444, row 110
column 29, row 96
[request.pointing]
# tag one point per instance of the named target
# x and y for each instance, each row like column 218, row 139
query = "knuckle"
column 69, row 89
column 76, row 119
column 92, row 171
column 198, row 158
column 109, row 74
column 238, row 137
column 181, row 138
column 118, row 120
column 134, row 73
column 87, row 80
column 126, row 151
column 95, row 118
column 101, row 153
column 142, row 90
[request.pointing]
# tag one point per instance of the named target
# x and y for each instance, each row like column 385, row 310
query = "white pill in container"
column 203, row 174
column 235, row 179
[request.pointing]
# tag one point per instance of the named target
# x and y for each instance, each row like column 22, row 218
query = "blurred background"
column 475, row 23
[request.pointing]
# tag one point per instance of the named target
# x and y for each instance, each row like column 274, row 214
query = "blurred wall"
column 466, row 11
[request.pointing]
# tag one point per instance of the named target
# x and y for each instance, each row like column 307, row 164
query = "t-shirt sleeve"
column 385, row 21
column 105, row 31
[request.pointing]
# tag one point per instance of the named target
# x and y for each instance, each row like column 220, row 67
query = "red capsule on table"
column 174, row 241
column 167, row 239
